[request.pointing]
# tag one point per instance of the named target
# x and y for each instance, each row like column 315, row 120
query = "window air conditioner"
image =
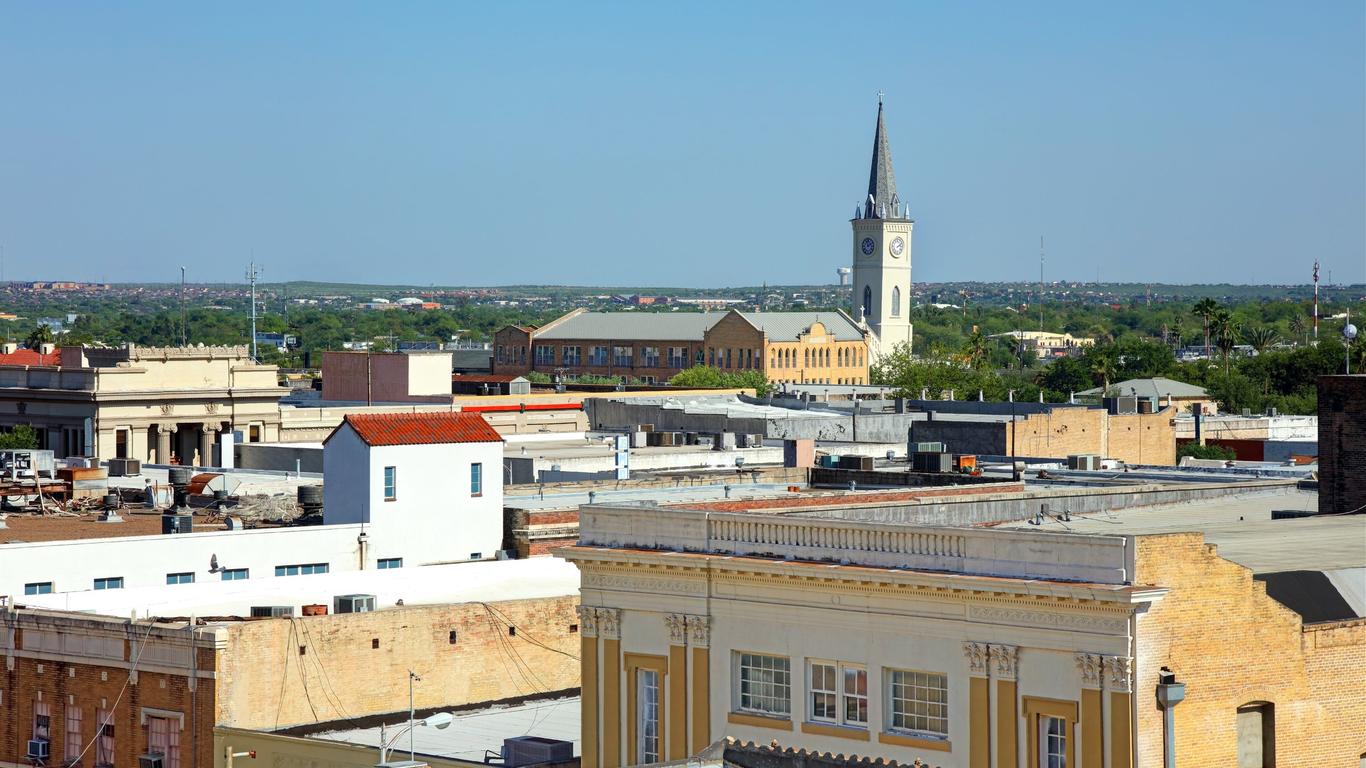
column 38, row 749
column 150, row 761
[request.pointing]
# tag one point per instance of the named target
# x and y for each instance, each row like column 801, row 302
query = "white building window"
column 180, row 578
column 304, row 569
column 38, row 588
column 390, row 483
column 896, row 302
column 838, row 694
column 765, row 684
column 647, row 716
column 385, row 563
column 918, row 702
column 1052, row 742
column 235, row 574
column 109, row 582
column 476, row 479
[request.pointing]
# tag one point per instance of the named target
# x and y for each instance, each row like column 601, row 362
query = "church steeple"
column 882, row 202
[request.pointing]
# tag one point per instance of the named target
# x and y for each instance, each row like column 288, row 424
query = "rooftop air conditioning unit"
column 353, row 604
column 533, row 750
column 38, row 749
column 151, row 760
column 271, row 611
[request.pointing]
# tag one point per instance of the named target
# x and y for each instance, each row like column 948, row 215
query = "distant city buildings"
column 1046, row 344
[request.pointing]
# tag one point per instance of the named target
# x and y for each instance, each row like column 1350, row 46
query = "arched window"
column 867, row 301
column 896, row 302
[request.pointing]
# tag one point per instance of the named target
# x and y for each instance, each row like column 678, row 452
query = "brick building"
column 1342, row 444
column 793, row 347
column 162, row 686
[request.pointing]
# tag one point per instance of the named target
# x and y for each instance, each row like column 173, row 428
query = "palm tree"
column 1261, row 338
column 1299, row 327
column 39, row 336
column 1104, row 362
column 1177, row 330
column 1205, row 309
column 1225, row 329
column 975, row 350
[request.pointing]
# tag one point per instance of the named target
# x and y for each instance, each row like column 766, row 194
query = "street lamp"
column 438, row 720
column 1349, row 334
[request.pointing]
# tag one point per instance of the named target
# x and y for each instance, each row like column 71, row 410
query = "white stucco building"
column 428, row 487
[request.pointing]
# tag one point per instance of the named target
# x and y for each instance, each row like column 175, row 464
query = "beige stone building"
column 846, row 632
column 147, row 403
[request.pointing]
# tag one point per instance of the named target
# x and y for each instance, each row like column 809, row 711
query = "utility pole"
column 1316, row 301
column 183, row 335
column 252, row 274
column 1040, row 283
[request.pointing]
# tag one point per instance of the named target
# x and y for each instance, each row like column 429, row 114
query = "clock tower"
column 882, row 251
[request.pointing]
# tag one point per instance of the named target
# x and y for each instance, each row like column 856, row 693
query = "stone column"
column 979, row 705
column 1092, row 753
column 164, row 432
column 676, row 728
column 609, row 629
column 1003, row 663
column 588, row 653
column 1118, row 673
column 207, row 435
column 699, row 639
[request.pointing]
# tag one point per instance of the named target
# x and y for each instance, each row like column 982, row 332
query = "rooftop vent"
column 534, row 750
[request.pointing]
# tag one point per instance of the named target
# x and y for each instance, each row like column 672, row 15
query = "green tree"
column 975, row 350
column 709, row 377
column 1299, row 328
column 1261, row 338
column 21, row 436
column 1198, row 451
column 1225, row 328
column 1103, row 360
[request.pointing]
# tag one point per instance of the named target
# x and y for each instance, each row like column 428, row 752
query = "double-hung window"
column 621, row 357
column 476, row 479
column 73, row 735
column 597, row 356
column 42, row 721
column 572, row 355
column 918, row 702
column 678, row 357
column 764, row 684
column 163, row 738
column 390, row 483
column 649, row 357
column 544, row 354
column 647, row 716
column 838, row 693
column 104, row 744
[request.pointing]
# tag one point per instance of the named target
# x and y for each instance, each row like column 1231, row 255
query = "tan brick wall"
column 1134, row 439
column 267, row 682
column 1233, row 645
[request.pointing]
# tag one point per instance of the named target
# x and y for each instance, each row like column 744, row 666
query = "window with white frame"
column 647, row 716
column 597, row 355
column 163, row 738
column 1052, row 742
column 678, row 357
column 303, row 569
column 765, row 684
column 38, row 588
column 621, row 356
column 918, row 702
column 73, row 735
column 649, row 357
column 104, row 744
column 390, row 483
column 386, row 563
column 42, row 721
column 235, row 574
column 838, row 693
column 477, row 479
column 109, row 582
column 544, row 354
column 572, row 355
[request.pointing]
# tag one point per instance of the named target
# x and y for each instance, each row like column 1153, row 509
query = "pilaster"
column 979, row 705
column 1004, row 659
column 1092, row 727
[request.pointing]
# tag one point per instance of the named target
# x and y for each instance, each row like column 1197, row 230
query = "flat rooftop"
column 1242, row 527
column 475, row 730
column 537, row 577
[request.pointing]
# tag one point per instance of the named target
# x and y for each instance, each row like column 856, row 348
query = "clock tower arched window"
column 867, row 301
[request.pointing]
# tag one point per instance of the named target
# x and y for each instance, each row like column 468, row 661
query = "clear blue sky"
column 678, row 144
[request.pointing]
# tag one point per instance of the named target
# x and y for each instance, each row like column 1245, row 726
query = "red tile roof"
column 422, row 428
column 30, row 357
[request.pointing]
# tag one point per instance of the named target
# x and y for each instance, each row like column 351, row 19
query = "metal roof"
column 1154, row 387
column 633, row 326
column 787, row 326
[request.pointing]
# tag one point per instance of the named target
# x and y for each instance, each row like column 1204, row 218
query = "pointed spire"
column 881, row 180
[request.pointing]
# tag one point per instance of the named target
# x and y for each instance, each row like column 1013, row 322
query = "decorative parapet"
column 1008, row 553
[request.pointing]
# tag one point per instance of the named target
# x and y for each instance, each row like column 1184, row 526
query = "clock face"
column 898, row 245
column 868, row 246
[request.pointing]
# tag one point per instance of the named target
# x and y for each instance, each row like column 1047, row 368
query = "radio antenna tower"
column 1040, row 283
column 252, row 274
column 1316, row 301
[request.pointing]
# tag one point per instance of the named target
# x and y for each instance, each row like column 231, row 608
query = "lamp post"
column 1169, row 694
column 438, row 720
column 1349, row 334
